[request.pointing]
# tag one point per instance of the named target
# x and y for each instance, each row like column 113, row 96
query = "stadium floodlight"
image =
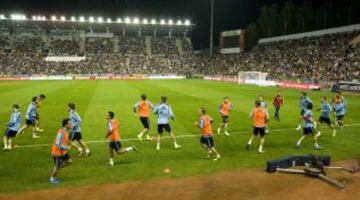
column 153, row 21
column 43, row 18
column 100, row 20
column 145, row 21
column 162, row 22
column 136, row 20
column 91, row 19
column 17, row 17
column 170, row 22
column 73, row 19
column 2, row 16
column 108, row 20
column 187, row 23
column 81, row 19
column 33, row 17
column 53, row 18
column 127, row 20
column 179, row 22
column 119, row 20
column 63, row 18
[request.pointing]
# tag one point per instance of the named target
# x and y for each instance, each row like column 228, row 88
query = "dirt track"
column 247, row 184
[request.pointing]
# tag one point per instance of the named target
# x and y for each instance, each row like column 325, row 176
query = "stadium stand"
column 313, row 59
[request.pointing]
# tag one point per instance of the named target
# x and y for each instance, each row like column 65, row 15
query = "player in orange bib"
column 114, row 137
column 59, row 150
column 206, row 139
column 260, row 117
column 225, row 107
column 142, row 108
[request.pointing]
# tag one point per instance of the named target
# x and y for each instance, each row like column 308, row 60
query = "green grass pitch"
column 28, row 168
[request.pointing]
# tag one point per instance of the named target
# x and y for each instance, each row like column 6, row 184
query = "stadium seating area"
column 315, row 59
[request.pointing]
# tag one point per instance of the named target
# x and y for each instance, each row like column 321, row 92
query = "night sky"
column 230, row 14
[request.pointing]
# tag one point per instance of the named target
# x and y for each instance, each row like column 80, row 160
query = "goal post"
column 244, row 76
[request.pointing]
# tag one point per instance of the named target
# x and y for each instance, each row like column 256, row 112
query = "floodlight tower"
column 212, row 3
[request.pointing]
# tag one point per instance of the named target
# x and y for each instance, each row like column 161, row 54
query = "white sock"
column 87, row 150
column 260, row 148
column 80, row 149
column 249, row 143
column 129, row 149
column 111, row 160
column 298, row 143
column 52, row 178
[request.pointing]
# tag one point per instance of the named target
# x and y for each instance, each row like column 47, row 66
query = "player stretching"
column 39, row 100
column 114, row 137
column 59, row 150
column 206, row 139
column 340, row 112
column 142, row 108
column 75, row 134
column 303, row 103
column 308, row 127
column 30, row 117
column 261, row 117
column 224, row 110
column 325, row 115
column 164, row 112
column 278, row 103
column 12, row 127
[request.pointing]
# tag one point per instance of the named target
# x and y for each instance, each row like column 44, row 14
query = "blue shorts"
column 145, row 122
column 115, row 145
column 75, row 136
column 30, row 122
column 161, row 128
column 308, row 130
column 208, row 141
column 58, row 160
column 10, row 133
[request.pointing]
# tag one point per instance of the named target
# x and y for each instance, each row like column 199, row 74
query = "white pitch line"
column 165, row 137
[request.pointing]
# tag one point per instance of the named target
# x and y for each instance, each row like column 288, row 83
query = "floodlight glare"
column 53, row 18
column 127, row 20
column 145, row 21
column 81, row 19
column 179, row 22
column 91, row 19
column 2, row 16
column 100, row 20
column 63, row 18
column 187, row 22
column 118, row 20
column 136, row 20
column 108, row 20
column 33, row 17
column 170, row 22
column 43, row 18
column 73, row 19
column 153, row 21
column 162, row 21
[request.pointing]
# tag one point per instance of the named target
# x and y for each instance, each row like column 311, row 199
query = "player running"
column 59, row 150
column 12, row 127
column 164, row 112
column 325, row 116
column 278, row 102
column 264, row 104
column 225, row 107
column 39, row 100
column 206, row 139
column 75, row 134
column 304, row 101
column 336, row 99
column 142, row 108
column 309, row 126
column 260, row 117
column 340, row 112
column 114, row 137
column 30, row 117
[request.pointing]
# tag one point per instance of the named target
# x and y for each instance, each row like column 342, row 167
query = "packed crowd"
column 65, row 47
column 316, row 59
